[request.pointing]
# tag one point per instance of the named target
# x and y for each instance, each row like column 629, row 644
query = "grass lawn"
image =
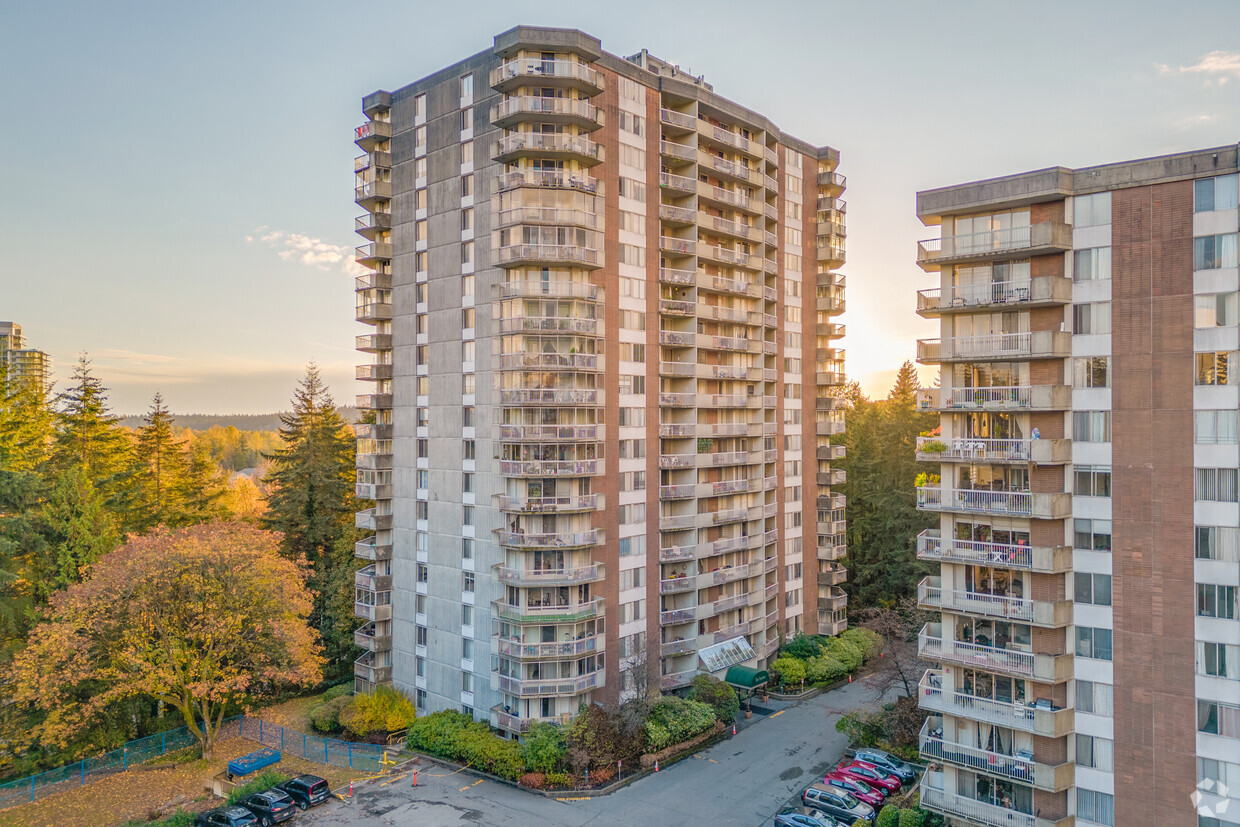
column 133, row 794
column 294, row 714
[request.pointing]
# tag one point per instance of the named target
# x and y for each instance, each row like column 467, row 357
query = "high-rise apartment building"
column 19, row 361
column 601, row 300
column 1088, row 649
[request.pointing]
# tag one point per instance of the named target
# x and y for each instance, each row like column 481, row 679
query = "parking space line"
column 467, row 786
column 776, row 714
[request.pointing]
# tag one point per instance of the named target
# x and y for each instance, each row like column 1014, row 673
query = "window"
column 467, row 318
column 467, row 185
column 1092, row 588
column 1216, row 485
column 467, row 581
column 1214, row 310
column 1092, row 210
column 1212, row 774
column 467, row 548
column 468, row 384
column 632, row 156
column 1093, row 643
column 632, row 578
column 1093, row 535
column 467, row 157
column 467, row 86
column 467, row 252
column 1213, row 252
column 632, row 288
column 1095, row 807
column 1092, row 481
column 630, row 254
column 631, row 188
column 467, row 515
column 1095, row 698
column 633, row 546
column 632, row 448
column 630, row 352
column 422, row 510
column 419, row 230
column 633, row 223
column 1214, row 542
column 424, row 478
column 467, row 119
column 424, row 448
column 1216, row 601
column 423, row 572
column 633, row 124
column 467, row 483
column 467, row 416
column 1215, row 427
column 469, row 449
column 1091, row 372
column 633, row 481
column 1218, row 719
column 1211, row 194
column 1091, row 426
column 632, row 319
column 1218, row 660
column 1091, row 318
column 635, row 417
column 632, row 514
column 420, row 635
column 1212, row 368
column 1098, row 753
column 632, row 611
column 468, row 350
column 467, row 219
column 419, row 106
column 421, row 261
column 632, row 384
column 1092, row 265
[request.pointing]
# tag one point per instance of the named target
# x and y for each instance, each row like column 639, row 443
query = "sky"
column 176, row 178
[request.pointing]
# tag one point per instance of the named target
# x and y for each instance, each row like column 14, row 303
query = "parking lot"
column 742, row 780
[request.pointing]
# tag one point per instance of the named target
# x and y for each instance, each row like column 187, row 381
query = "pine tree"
column 87, row 434
column 904, row 391
column 157, row 475
column 78, row 528
column 26, row 422
column 202, row 486
column 311, row 502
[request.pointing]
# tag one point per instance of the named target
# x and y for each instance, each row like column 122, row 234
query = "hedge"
column 458, row 737
column 674, row 719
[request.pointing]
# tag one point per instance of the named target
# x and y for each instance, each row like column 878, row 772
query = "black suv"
column 306, row 790
column 271, row 806
column 233, row 816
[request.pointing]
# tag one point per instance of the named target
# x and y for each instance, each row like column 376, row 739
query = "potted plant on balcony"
column 934, row 446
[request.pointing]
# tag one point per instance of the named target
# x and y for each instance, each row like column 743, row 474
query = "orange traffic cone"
column 656, row 765
column 733, row 729
column 850, row 678
column 415, row 778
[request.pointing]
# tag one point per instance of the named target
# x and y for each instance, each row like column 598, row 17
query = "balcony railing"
column 547, row 178
column 548, row 433
column 677, row 492
column 677, row 215
column 685, row 246
column 547, row 215
column 555, row 539
column 681, row 338
column 930, row 593
column 1017, row 766
column 557, row 253
column 976, row 812
column 677, row 400
column 669, row 275
column 669, row 116
column 548, row 468
column 550, row 651
column 1025, row 345
column 968, row 448
column 1018, row 397
column 519, row 142
column 550, row 614
column 1041, row 290
column 549, row 576
column 732, row 198
column 547, row 505
column 586, row 114
column 537, row 69
column 1046, row 236
column 1046, row 506
column 533, row 396
column 1045, row 721
column 515, row 723
column 677, row 182
column 542, row 688
column 931, row 546
column 549, row 361
column 676, row 585
column 549, row 324
column 1049, row 668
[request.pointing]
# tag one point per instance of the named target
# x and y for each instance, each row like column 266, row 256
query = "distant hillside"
column 242, row 422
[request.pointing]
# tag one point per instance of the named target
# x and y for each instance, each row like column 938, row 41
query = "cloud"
column 310, row 251
column 1218, row 67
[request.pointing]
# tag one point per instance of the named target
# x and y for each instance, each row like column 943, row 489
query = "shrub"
column 326, row 716
column 599, row 736
column 544, row 748
column 711, row 690
column 848, row 655
column 869, row 642
column 458, row 737
column 673, row 720
column 824, row 669
column 265, row 780
column 803, row 646
column 888, row 816
column 864, row 727
column 559, row 779
column 338, row 691
column 791, row 671
column 911, row 818
column 533, row 780
column 384, row 710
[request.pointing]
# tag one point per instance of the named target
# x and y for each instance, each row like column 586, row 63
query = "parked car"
column 271, row 806
column 862, row 790
column 233, row 816
column 306, row 790
column 837, row 803
column 803, row 817
column 903, row 770
column 870, row 774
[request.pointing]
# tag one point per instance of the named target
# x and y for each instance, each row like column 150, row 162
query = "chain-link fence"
column 312, row 747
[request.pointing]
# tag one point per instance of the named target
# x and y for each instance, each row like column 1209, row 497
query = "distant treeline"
column 242, row 422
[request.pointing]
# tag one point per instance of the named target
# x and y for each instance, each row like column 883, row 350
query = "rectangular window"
column 631, row 254
column 1092, row 265
column 1217, row 485
column 1097, row 753
column 467, row 157
column 1095, row 698
column 632, row 319
column 1214, row 252
column 1091, row 372
column 1218, row 719
column 1092, row 210
column 467, row 581
column 1216, row 601
column 1218, row 660
column 1092, row 588
column 467, row 483
column 467, row 86
column 1214, row 310
column 467, row 119
column 633, row 222
column 1092, row 318
column 467, row 252
column 632, row 578
column 467, row 416
column 1214, row 542
column 1215, row 427
column 422, row 572
column 467, row 185
column 467, row 548
column 467, row 515
column 632, row 156
column 1095, row 807
column 419, row 106
column 633, row 124
column 1213, row 368
column 1219, row 193
column 1091, row 426
column 1092, row 481
column 1093, row 643
column 632, row 417
column 631, row 188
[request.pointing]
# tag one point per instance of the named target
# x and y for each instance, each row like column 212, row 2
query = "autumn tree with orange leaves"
column 204, row 619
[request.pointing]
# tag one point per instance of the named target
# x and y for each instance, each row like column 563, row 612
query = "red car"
column 869, row 774
column 862, row 790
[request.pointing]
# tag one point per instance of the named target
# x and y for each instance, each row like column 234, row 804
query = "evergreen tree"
column 311, row 502
column 77, row 528
column 158, row 470
column 87, row 434
column 202, row 487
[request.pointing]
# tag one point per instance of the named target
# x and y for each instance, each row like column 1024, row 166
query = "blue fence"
column 312, row 747
column 290, row 743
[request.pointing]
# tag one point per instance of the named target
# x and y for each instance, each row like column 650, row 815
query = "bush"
column 911, row 818
column 710, row 690
column 458, row 737
column 338, row 691
column 824, row 669
column 867, row 641
column 265, row 780
column 544, row 748
column 326, row 716
column 791, row 671
column 384, row 710
column 533, row 780
column 559, row 779
column 888, row 816
column 845, row 653
column 803, row 646
column 673, row 720
column 600, row 736
column 864, row 727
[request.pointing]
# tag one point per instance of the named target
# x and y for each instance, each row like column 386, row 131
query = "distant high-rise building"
column 19, row 361
column 602, row 300
column 1088, row 647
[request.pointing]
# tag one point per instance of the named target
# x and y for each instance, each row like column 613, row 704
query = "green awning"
column 746, row 677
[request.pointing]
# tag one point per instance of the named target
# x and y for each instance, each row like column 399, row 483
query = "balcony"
column 1014, row 767
column 728, row 138
column 831, row 253
column 931, row 595
column 558, row 73
column 547, row 179
column 677, row 430
column 679, row 120
column 376, row 461
column 549, row 614
column 831, row 627
column 555, row 539
column 678, row 492
column 1044, row 290
column 549, row 577
column 577, row 148
column 371, row 133
column 372, row 549
column 373, row 401
column 548, row 468
column 583, row 645
column 1047, row 668
column 970, row 450
column 517, row 255
column 549, row 361
column 372, row 254
column 1040, row 720
column 733, row 228
column 677, row 368
column 731, row 632
column 550, row 324
column 677, row 246
column 726, row 198
column 513, row 723
column 1015, row 397
column 677, row 400
column 373, row 342
column 677, row 585
column 365, row 638
column 548, row 505
column 371, row 612
column 368, row 195
column 677, row 679
column 834, row 476
column 676, row 460
column 373, row 373
column 563, row 687
column 674, row 616
column 982, row 813
column 723, row 255
column 681, row 216
column 1048, row 559
column 677, row 152
column 680, row 183
column 365, row 668
column 832, row 576
column 835, row 600
column 368, row 520
column 669, row 275
column 1039, row 344
column 548, row 433
column 511, row 111
column 533, row 214
column 832, row 182
column 520, row 397
column 677, row 647
column 367, row 580
column 999, row 503
column 729, row 169
column 374, row 312
column 372, row 223
column 1034, row 240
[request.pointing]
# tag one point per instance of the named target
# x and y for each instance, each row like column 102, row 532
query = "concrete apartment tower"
column 601, row 302
column 1088, row 651
column 19, row 361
